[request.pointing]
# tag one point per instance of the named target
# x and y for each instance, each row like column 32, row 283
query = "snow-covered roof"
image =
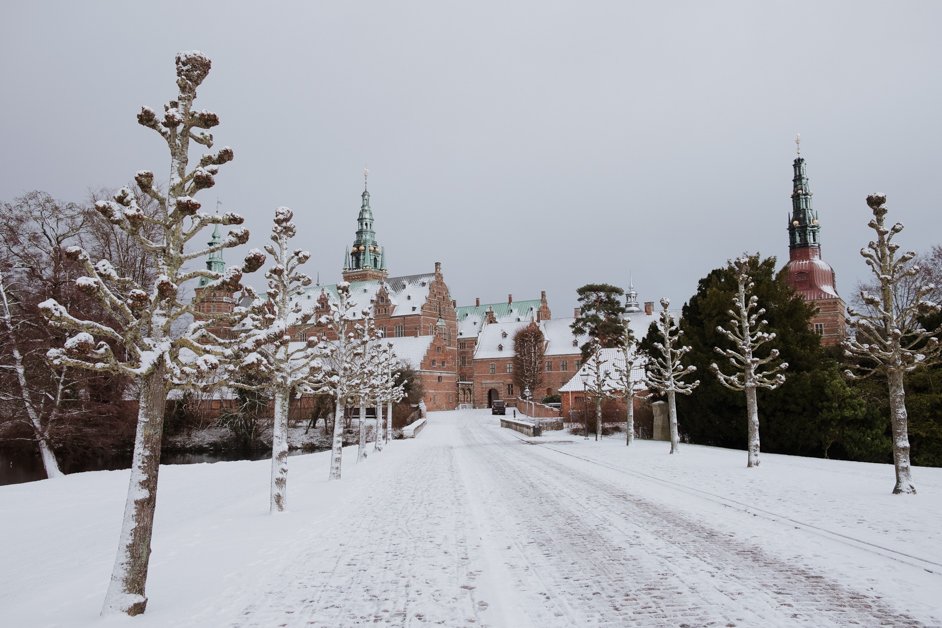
column 559, row 337
column 410, row 349
column 611, row 359
column 497, row 340
column 407, row 294
column 471, row 318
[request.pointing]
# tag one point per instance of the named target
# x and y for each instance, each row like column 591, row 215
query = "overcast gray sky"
column 526, row 145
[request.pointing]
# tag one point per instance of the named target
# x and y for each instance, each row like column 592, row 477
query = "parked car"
column 499, row 406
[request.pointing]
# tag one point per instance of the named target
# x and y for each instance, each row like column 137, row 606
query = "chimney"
column 477, row 301
column 438, row 268
column 649, row 308
column 542, row 295
column 576, row 313
column 510, row 299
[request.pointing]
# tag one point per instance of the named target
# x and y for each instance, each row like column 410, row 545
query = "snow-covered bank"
column 468, row 522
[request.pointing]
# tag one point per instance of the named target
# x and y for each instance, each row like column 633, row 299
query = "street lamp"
column 526, row 401
column 585, row 394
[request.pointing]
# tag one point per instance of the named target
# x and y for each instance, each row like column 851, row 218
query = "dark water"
column 21, row 465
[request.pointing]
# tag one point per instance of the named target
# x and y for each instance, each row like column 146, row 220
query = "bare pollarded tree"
column 265, row 351
column 141, row 343
column 597, row 382
column 625, row 379
column 888, row 337
column 745, row 331
column 665, row 370
column 339, row 361
column 368, row 374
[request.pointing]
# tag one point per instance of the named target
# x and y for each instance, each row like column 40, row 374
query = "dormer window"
column 503, row 334
column 500, row 347
column 575, row 342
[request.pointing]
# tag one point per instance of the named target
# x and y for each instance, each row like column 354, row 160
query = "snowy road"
column 481, row 527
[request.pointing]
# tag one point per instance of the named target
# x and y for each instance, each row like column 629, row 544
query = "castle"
column 463, row 355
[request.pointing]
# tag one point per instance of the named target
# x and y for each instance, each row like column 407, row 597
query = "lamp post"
column 585, row 413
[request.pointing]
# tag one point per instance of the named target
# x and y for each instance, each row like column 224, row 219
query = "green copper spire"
column 214, row 262
column 366, row 254
column 803, row 227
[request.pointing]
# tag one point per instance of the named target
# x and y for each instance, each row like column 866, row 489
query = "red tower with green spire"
column 808, row 274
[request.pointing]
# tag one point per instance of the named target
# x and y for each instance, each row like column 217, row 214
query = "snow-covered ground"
column 471, row 524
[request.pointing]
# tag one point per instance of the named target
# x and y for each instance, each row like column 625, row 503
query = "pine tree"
column 141, row 345
column 601, row 313
column 265, row 352
column 745, row 331
column 664, row 368
column 888, row 337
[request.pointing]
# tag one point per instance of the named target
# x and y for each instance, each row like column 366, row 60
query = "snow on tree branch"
column 887, row 336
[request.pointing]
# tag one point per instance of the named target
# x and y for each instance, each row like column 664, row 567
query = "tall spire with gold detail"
column 366, row 259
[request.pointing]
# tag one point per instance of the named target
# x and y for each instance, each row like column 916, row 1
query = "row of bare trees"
column 147, row 330
column 888, row 337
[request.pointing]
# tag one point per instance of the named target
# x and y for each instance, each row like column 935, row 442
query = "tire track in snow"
column 743, row 584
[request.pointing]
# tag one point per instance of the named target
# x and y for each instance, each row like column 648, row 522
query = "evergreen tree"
column 601, row 316
column 805, row 415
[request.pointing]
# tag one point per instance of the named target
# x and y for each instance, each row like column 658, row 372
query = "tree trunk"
column 50, row 464
column 630, row 420
column 279, row 452
column 898, row 419
column 126, row 593
column 598, row 418
column 752, row 416
column 378, row 437
column 389, row 408
column 361, row 444
column 336, row 452
column 672, row 413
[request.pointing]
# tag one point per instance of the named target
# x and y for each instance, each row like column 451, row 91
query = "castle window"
column 399, row 331
column 438, row 349
column 510, row 389
column 564, row 365
column 819, row 329
column 549, row 365
column 464, row 360
column 510, row 367
column 439, row 379
column 492, row 368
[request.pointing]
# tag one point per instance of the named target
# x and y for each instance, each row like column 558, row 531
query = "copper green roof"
column 501, row 310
